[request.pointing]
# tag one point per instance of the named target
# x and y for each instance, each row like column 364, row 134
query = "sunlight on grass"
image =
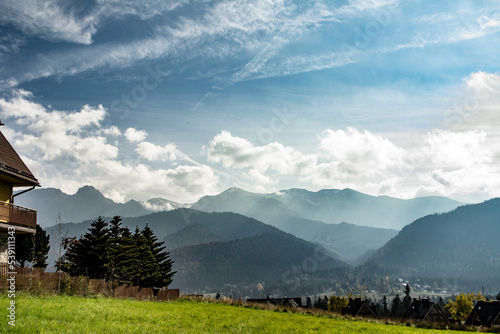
column 67, row 314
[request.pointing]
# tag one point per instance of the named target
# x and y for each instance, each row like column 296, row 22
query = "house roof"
column 485, row 314
column 12, row 168
column 422, row 309
column 358, row 307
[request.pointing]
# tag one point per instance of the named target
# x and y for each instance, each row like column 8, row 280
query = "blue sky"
column 179, row 99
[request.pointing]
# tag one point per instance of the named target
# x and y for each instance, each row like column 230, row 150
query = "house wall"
column 5, row 191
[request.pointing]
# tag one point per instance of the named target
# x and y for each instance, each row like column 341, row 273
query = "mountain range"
column 243, row 238
column 86, row 203
column 292, row 211
column 296, row 211
column 328, row 205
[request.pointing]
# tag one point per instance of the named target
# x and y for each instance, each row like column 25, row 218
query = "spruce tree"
column 89, row 255
column 115, row 249
column 33, row 248
column 42, row 247
column 396, row 307
column 406, row 299
column 146, row 269
column 164, row 276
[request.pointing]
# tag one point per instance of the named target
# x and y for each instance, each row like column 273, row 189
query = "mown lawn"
column 66, row 314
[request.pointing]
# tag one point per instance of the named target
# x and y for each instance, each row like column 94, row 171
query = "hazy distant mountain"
column 303, row 213
column 258, row 206
column 462, row 244
column 328, row 205
column 86, row 203
column 270, row 257
column 349, row 241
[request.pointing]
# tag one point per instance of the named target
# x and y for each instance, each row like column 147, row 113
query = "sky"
column 181, row 99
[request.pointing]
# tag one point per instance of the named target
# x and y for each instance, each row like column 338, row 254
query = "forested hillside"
column 462, row 244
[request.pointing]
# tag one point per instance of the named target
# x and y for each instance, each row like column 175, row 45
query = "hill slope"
column 462, row 244
column 264, row 258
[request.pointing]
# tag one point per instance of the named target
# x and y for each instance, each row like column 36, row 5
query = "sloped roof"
column 358, row 307
column 485, row 314
column 12, row 167
column 425, row 309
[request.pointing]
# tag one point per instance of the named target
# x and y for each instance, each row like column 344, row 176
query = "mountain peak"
column 89, row 190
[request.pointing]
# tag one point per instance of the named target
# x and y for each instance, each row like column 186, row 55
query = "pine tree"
column 406, row 299
column 115, row 249
column 164, row 276
column 396, row 307
column 24, row 248
column 33, row 248
column 147, row 271
column 42, row 247
column 128, row 259
column 385, row 310
column 89, row 255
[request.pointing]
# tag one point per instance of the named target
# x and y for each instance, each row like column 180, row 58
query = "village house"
column 485, row 314
column 426, row 310
column 361, row 308
column 14, row 219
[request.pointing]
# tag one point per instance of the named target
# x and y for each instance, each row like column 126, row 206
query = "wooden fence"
column 38, row 281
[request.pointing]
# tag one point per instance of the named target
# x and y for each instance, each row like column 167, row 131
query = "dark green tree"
column 498, row 296
column 164, row 276
column 24, row 248
column 89, row 255
column 42, row 247
column 385, row 309
column 115, row 250
column 406, row 299
column 396, row 307
column 147, row 271
column 33, row 248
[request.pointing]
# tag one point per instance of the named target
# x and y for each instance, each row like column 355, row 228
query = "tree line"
column 112, row 252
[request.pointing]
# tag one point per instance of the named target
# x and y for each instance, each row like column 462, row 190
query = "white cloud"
column 134, row 135
column 112, row 131
column 152, row 152
column 66, row 150
column 236, row 152
column 441, row 162
column 354, row 151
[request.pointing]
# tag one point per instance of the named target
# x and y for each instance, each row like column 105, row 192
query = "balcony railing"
column 17, row 215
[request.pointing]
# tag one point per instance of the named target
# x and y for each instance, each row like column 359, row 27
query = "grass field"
column 67, row 314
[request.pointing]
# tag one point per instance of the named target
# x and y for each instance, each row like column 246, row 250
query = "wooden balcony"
column 19, row 216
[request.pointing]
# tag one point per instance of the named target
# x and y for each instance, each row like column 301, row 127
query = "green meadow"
column 70, row 314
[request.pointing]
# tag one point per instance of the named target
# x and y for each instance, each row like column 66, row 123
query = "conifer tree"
column 42, row 247
column 89, row 255
column 115, row 249
column 396, row 307
column 33, row 248
column 406, row 299
column 146, row 269
column 164, row 276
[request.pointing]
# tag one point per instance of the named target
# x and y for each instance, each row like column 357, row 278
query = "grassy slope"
column 63, row 314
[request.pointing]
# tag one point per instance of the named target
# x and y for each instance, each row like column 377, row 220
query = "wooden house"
column 485, row 314
column 359, row 308
column 426, row 310
column 13, row 174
